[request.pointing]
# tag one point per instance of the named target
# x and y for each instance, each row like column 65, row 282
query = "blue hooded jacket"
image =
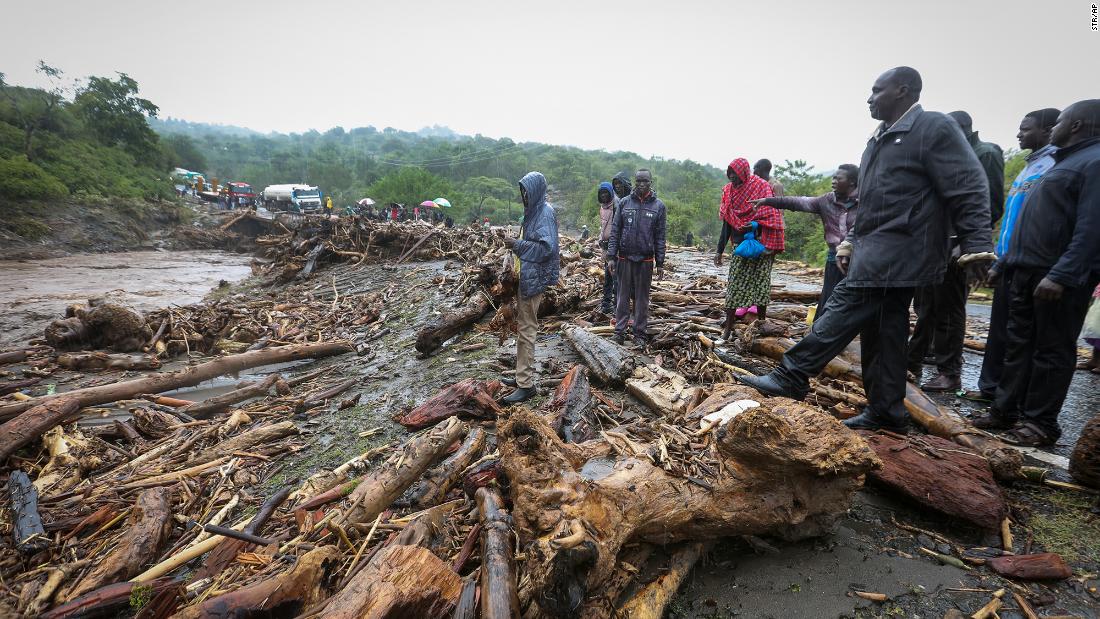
column 539, row 259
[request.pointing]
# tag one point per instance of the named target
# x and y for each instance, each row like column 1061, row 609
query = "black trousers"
column 993, row 363
column 1040, row 349
column 832, row 278
column 608, row 289
column 634, row 279
column 880, row 317
column 941, row 323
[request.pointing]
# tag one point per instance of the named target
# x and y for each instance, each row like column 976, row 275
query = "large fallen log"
column 382, row 486
column 786, row 469
column 28, row 534
column 284, row 595
column 499, row 599
column 189, row 377
column 150, row 522
column 432, row 488
column 936, row 473
column 27, row 427
column 611, row 364
column 221, row 403
column 795, row 296
column 450, row 324
column 1004, row 460
column 245, row 441
column 468, row 398
column 109, row 601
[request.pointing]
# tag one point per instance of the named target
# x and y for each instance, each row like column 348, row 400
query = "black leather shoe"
column 509, row 382
column 991, row 420
column 869, row 421
column 768, row 385
column 942, row 382
column 519, row 395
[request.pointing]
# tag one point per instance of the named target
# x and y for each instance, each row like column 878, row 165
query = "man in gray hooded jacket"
column 536, row 251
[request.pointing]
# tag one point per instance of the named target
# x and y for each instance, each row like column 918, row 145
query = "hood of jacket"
column 624, row 176
column 610, row 189
column 534, row 183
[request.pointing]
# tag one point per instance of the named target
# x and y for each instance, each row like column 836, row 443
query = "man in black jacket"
column 636, row 246
column 918, row 177
column 1050, row 269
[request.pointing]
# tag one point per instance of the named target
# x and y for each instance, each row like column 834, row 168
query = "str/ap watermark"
column 1093, row 22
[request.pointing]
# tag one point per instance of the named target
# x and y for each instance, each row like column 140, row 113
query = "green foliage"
column 21, row 180
column 181, row 152
column 112, row 111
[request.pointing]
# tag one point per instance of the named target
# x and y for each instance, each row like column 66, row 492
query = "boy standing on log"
column 538, row 263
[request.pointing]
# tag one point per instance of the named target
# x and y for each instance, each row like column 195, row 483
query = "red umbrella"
column 428, row 204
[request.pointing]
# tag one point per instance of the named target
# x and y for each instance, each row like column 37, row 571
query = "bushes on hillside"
column 21, row 180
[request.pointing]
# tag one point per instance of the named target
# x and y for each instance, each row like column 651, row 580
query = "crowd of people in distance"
column 910, row 226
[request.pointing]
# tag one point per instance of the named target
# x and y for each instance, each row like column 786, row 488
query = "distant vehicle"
column 237, row 195
column 294, row 198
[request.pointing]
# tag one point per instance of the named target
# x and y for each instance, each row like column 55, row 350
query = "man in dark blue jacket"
column 918, row 176
column 635, row 247
column 1050, row 269
column 539, row 261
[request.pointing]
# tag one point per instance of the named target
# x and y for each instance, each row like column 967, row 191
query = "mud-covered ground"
column 868, row 552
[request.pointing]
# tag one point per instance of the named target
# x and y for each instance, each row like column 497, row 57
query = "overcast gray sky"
column 708, row 81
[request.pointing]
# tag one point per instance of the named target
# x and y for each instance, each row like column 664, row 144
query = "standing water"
column 34, row 292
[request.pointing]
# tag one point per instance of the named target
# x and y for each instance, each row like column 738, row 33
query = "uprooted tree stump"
column 786, row 469
column 937, row 473
column 1084, row 463
column 467, row 399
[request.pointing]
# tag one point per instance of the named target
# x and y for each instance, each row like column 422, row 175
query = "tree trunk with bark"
column 786, row 469
column 611, row 364
column 469, row 398
column 450, row 324
column 400, row 581
column 432, row 488
column 150, row 523
column 31, row 425
column 571, row 408
column 498, row 570
column 221, row 403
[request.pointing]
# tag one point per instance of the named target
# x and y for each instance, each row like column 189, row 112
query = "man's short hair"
column 763, row 164
column 1045, row 118
column 643, row 171
column 1088, row 112
column 907, row 76
column 851, row 171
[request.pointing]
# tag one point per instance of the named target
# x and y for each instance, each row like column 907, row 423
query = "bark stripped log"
column 284, row 595
column 34, row 423
column 468, row 398
column 188, row 377
column 221, row 403
column 380, row 487
column 432, row 488
column 786, row 469
column 28, row 533
column 611, row 364
column 150, row 522
column 450, row 324
column 244, row 441
column 1004, row 460
column 499, row 599
column 98, row 360
column 650, row 602
column 399, row 581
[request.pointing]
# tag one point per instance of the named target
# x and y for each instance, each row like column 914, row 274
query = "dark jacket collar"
column 905, row 123
column 1069, row 150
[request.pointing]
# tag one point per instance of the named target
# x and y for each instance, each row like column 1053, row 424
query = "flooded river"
column 34, row 292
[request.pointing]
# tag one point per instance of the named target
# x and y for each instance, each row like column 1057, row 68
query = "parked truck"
column 236, row 195
column 296, row 198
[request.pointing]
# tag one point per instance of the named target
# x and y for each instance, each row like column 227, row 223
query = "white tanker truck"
column 296, row 198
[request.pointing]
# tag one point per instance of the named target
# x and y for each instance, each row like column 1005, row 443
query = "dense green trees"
column 89, row 139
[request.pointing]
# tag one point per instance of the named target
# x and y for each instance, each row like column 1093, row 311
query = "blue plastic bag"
column 750, row 248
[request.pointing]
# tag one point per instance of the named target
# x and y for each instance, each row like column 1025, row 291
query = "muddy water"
column 34, row 292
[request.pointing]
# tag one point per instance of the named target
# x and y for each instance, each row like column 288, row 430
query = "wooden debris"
column 1042, row 566
column 220, row 403
column 433, row 486
column 98, row 360
column 468, row 399
column 499, row 599
column 32, row 424
column 400, row 581
column 1084, row 462
column 650, row 602
column 610, row 364
column 28, row 535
